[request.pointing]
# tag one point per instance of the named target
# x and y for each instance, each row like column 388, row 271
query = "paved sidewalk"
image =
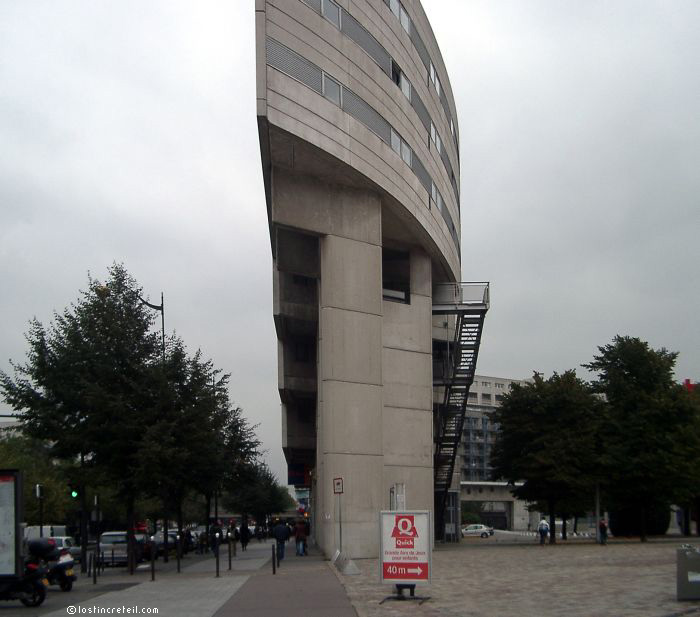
column 195, row 591
column 303, row 587
column 622, row 579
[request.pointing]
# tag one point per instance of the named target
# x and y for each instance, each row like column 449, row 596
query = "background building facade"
column 477, row 483
column 359, row 142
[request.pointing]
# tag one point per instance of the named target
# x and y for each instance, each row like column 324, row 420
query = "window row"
column 402, row 15
column 347, row 24
column 284, row 59
column 437, row 200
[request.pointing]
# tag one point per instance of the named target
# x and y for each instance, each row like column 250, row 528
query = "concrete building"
column 359, row 142
column 477, row 484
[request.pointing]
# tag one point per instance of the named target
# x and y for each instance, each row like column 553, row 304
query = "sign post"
column 405, row 556
column 338, row 490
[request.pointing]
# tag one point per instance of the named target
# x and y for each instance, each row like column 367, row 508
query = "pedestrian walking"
column 281, row 535
column 543, row 530
column 300, row 537
column 245, row 534
column 603, row 531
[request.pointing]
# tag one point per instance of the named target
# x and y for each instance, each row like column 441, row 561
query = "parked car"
column 67, row 542
column 477, row 530
column 113, row 545
column 160, row 542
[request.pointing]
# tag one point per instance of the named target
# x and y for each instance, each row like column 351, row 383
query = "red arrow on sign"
column 405, row 571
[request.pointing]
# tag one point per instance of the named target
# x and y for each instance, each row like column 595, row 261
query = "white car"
column 477, row 530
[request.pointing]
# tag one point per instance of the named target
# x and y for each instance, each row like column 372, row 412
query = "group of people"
column 543, row 530
column 281, row 532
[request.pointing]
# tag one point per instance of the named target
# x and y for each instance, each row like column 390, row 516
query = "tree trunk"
column 83, row 528
column 206, row 539
column 180, row 532
column 575, row 525
column 552, row 524
column 165, row 535
column 642, row 524
column 686, row 520
column 131, row 557
column 563, row 527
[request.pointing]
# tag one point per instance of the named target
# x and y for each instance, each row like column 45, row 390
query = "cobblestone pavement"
column 472, row 579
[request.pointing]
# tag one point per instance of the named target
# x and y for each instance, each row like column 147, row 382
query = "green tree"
column 32, row 456
column 258, row 493
column 651, row 433
column 87, row 387
column 548, row 439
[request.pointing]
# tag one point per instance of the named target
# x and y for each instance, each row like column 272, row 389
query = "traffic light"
column 74, row 491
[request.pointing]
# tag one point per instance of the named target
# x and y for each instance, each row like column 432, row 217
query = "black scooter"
column 29, row 589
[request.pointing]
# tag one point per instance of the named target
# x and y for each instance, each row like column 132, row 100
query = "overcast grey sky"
column 128, row 133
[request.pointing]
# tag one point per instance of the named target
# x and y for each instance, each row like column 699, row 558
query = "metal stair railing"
column 469, row 302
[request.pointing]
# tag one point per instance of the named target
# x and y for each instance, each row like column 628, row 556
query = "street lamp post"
column 161, row 307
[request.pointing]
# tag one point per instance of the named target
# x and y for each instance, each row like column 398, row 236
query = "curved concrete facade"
column 359, row 142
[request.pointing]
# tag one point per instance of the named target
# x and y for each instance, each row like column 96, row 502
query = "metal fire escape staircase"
column 468, row 302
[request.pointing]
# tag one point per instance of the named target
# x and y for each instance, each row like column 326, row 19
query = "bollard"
column 153, row 559
column 216, row 550
column 177, row 551
column 274, row 556
column 229, row 550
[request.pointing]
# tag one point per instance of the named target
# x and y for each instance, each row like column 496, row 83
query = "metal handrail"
column 464, row 293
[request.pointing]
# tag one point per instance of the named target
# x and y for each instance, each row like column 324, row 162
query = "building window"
column 396, row 276
column 405, row 20
column 395, row 7
column 405, row 86
column 331, row 11
column 498, row 386
column 395, row 73
column 395, row 142
column 406, row 153
column 435, row 137
column 331, row 89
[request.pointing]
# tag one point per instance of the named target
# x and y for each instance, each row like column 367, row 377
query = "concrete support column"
column 408, row 390
column 350, row 393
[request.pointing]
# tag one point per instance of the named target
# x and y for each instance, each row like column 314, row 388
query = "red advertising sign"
column 406, row 547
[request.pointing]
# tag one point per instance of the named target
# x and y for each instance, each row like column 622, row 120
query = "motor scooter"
column 30, row 588
column 60, row 569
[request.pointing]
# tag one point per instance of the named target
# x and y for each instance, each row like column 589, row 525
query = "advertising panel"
column 10, row 516
column 405, row 552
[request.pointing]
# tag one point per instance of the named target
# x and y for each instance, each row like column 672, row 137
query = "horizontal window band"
column 352, row 28
column 297, row 67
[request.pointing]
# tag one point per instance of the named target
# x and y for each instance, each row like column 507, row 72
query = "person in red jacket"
column 300, row 537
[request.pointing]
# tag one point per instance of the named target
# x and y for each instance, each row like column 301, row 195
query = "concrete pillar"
column 408, row 390
column 350, row 394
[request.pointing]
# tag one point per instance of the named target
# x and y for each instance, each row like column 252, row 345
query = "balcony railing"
column 461, row 294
